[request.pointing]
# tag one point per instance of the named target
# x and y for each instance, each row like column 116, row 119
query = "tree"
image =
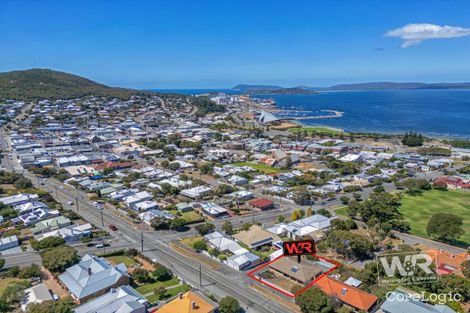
column 445, row 226
column 349, row 244
column 200, row 245
column 344, row 200
column 160, row 223
column 160, row 292
column 206, row 168
column 309, row 212
column 302, row 197
column 162, row 273
column 313, row 300
column 13, row 294
column 379, row 189
column 204, row 229
column 22, row 183
column 177, row 223
column 47, row 243
column 31, row 271
column 4, row 307
column 324, row 212
column 381, row 211
column 227, row 228
column 465, row 266
column 229, row 305
column 2, row 263
column 141, row 275
column 59, row 258
column 295, row 216
column 280, row 218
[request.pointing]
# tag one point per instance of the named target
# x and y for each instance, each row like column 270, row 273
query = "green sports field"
column 418, row 209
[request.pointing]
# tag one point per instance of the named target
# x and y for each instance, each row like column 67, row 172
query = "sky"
column 218, row 44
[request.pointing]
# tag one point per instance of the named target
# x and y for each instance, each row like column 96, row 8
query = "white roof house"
column 132, row 200
column 18, row 199
column 69, row 233
column 223, row 243
column 8, row 242
column 307, row 225
column 36, row 294
column 196, row 192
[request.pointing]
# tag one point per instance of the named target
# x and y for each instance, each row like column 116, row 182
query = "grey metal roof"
column 124, row 299
column 92, row 274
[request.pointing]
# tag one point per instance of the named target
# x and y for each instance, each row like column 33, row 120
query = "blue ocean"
column 442, row 113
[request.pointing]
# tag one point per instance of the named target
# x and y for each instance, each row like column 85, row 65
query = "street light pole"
column 102, row 220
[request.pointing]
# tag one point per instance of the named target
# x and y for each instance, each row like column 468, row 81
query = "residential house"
column 303, row 273
column 124, row 299
column 190, row 302
column 93, row 276
column 262, row 204
column 448, row 263
column 212, row 210
column 351, row 296
column 35, row 294
column 148, row 216
column 196, row 192
column 9, row 242
column 256, row 237
column 50, row 224
column 132, row 200
column 18, row 199
column 69, row 233
column 307, row 226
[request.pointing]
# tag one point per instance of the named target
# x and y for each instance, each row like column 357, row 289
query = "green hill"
column 37, row 84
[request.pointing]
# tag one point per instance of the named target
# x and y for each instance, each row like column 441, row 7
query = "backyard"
column 172, row 288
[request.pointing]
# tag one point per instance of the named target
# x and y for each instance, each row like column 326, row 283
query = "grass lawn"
column 342, row 211
column 4, row 282
column 146, row 289
column 317, row 130
column 174, row 291
column 190, row 241
column 418, row 209
column 189, row 217
column 265, row 169
column 118, row 259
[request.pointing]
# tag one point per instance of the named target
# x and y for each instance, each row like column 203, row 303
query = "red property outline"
column 250, row 274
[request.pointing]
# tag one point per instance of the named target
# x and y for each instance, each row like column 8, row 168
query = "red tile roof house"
column 349, row 295
column 452, row 182
column 262, row 204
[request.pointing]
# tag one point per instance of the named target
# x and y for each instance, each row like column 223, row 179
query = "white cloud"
column 413, row 34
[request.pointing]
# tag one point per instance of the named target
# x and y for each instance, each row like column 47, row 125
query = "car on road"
column 112, row 227
column 69, row 202
column 61, row 187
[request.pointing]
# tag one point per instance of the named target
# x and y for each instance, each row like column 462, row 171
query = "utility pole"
column 76, row 203
column 200, row 275
column 142, row 241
